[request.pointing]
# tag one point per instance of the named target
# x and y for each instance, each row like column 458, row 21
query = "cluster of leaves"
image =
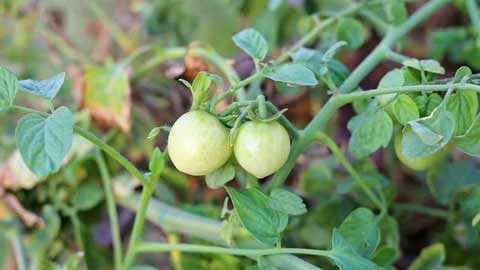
column 430, row 123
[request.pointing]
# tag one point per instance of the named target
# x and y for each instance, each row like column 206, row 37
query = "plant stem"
column 147, row 192
column 474, row 14
column 161, row 247
column 395, row 56
column 412, row 207
column 319, row 121
column 304, row 139
column 112, row 153
column 95, row 140
column 393, row 35
column 326, row 140
column 310, row 36
column 112, row 211
column 175, row 220
column 283, row 120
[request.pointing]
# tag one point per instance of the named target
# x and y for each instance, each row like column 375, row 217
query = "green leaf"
column 46, row 89
column 405, row 109
column 426, row 135
column 258, row 218
column 252, row 42
column 220, row 176
column 345, row 256
column 44, row 142
column 396, row 11
column 8, row 88
column 431, row 258
column 157, row 163
column 394, row 78
column 444, row 182
column 360, row 230
column 352, row 31
column 87, row 195
column 426, row 104
column 385, row 256
column 470, row 142
column 464, row 106
column 428, row 65
column 429, row 134
column 287, row 202
column 291, row 73
column 370, row 130
column 462, row 73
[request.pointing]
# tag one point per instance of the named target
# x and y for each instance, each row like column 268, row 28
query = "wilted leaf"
column 107, row 96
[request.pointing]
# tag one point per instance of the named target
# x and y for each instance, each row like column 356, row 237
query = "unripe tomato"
column 420, row 163
column 262, row 148
column 198, row 143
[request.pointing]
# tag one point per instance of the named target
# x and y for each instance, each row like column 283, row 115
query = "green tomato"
column 420, row 163
column 262, row 148
column 198, row 143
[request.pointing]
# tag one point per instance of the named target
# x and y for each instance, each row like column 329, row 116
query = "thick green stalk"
column 175, row 220
column 326, row 140
column 160, row 247
column 304, row 139
column 377, row 55
column 112, row 211
column 393, row 35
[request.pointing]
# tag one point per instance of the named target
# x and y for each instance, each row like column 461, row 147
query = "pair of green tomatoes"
column 199, row 143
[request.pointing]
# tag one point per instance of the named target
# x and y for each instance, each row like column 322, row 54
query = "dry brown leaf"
column 106, row 96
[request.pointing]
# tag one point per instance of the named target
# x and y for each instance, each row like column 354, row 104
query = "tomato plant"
column 330, row 189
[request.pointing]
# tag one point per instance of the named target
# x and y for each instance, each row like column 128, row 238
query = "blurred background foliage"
column 123, row 59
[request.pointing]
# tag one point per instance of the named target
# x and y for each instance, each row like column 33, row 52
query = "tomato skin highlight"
column 198, row 143
column 262, row 148
column 420, row 163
